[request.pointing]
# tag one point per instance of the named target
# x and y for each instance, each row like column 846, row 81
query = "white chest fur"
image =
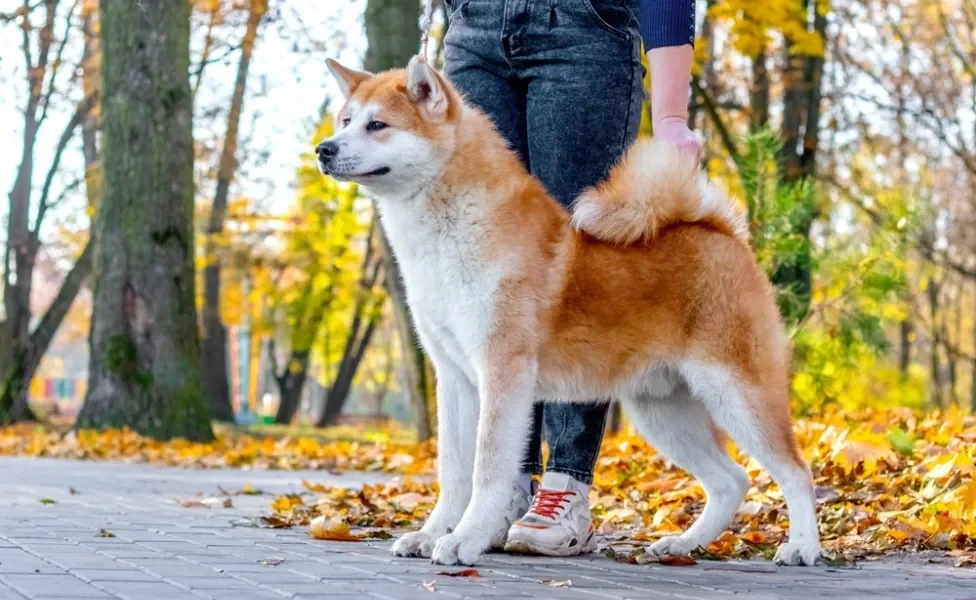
column 451, row 288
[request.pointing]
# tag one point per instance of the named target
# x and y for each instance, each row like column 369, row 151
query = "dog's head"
column 395, row 131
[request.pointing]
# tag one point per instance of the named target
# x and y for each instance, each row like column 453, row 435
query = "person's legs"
column 581, row 59
column 476, row 65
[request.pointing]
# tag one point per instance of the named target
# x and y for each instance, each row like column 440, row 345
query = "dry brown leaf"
column 462, row 573
column 675, row 561
column 105, row 533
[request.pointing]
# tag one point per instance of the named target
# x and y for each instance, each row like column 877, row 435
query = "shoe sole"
column 520, row 546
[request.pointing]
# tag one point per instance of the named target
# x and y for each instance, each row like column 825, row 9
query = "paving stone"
column 164, row 551
column 43, row 584
column 117, row 574
column 140, row 590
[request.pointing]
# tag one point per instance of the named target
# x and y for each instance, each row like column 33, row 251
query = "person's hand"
column 675, row 130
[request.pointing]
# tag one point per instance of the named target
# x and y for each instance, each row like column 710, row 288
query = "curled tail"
column 655, row 185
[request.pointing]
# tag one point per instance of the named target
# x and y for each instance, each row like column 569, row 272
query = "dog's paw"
column 416, row 543
column 454, row 549
column 801, row 553
column 673, row 545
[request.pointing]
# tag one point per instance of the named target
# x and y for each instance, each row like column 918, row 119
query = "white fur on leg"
column 680, row 428
column 723, row 396
column 503, row 427
column 457, row 416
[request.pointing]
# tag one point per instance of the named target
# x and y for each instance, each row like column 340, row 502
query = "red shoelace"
column 547, row 502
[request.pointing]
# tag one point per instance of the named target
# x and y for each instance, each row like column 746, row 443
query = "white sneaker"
column 558, row 522
column 517, row 507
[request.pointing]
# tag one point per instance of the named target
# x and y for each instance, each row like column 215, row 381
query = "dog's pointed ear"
column 348, row 79
column 426, row 88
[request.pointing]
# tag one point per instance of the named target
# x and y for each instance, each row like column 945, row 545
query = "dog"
column 647, row 294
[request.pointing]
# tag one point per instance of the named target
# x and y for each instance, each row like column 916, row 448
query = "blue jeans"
column 563, row 82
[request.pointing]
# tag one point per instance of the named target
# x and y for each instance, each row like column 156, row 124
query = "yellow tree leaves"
column 752, row 22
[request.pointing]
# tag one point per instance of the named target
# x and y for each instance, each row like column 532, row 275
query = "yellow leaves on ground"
column 286, row 453
column 886, row 480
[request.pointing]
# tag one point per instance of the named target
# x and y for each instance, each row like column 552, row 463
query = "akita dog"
column 647, row 294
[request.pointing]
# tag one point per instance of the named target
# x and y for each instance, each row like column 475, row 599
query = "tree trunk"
column 290, row 386
column 214, row 332
column 616, row 418
column 145, row 370
column 802, row 80
column 972, row 375
column 935, row 365
column 906, row 329
column 338, row 394
column 393, row 36
column 759, row 94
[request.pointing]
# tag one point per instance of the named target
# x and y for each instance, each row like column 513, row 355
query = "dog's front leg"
column 506, row 390
column 457, row 418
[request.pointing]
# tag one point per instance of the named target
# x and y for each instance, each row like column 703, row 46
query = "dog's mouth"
column 375, row 172
column 348, row 176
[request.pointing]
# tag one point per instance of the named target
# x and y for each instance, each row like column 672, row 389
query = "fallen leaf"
column 675, row 561
column 275, row 522
column 105, row 533
column 274, row 561
column 554, row 583
column 285, row 503
column 47, row 501
column 250, row 490
column 207, row 503
column 314, row 487
column 462, row 573
column 335, row 530
column 901, row 441
column 430, row 586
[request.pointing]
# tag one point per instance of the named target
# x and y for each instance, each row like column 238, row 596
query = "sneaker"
column 518, row 505
column 558, row 522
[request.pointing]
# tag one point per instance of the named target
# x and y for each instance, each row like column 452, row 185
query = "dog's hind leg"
column 758, row 420
column 457, row 418
column 680, row 428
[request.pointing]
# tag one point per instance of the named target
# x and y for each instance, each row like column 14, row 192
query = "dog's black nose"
column 327, row 150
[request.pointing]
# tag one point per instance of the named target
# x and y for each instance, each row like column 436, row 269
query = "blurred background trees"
column 847, row 128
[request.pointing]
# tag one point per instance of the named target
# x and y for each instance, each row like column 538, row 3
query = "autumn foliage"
column 887, row 480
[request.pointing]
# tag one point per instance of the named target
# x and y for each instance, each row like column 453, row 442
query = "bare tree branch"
column 207, row 45
column 716, row 120
column 56, row 65
column 80, row 112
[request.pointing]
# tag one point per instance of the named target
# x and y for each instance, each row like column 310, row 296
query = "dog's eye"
column 345, row 122
column 375, row 126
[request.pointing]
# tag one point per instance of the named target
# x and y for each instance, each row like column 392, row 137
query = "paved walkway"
column 162, row 550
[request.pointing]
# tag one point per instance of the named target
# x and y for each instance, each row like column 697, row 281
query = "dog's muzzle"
column 326, row 151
